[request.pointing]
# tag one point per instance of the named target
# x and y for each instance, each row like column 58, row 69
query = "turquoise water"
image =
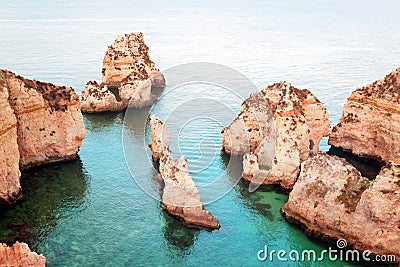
column 92, row 211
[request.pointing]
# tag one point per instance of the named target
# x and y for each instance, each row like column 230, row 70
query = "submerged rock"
column 180, row 195
column 332, row 199
column 49, row 120
column 370, row 124
column 20, row 255
column 127, row 68
column 276, row 129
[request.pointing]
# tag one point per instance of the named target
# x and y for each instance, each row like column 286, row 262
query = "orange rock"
column 370, row 124
column 49, row 120
column 20, row 255
column 127, row 68
column 180, row 195
column 332, row 199
column 277, row 129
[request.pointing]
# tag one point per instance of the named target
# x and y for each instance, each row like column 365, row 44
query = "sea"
column 103, row 208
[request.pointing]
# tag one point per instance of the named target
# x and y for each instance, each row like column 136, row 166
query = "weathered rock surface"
column 97, row 98
column 370, row 124
column 10, row 189
column 136, row 92
column 180, row 195
column 332, row 199
column 127, row 67
column 126, row 55
column 20, row 255
column 276, row 129
column 49, row 120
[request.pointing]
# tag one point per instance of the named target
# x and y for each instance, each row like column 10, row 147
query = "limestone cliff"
column 127, row 68
column 10, row 189
column 370, row 124
column 276, row 129
column 49, row 120
column 180, row 195
column 20, row 255
column 332, row 199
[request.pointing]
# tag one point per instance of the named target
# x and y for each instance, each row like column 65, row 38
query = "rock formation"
column 96, row 98
column 370, row 124
column 128, row 68
column 49, row 120
column 10, row 189
column 40, row 123
column 20, row 255
column 180, row 195
column 332, row 199
column 276, row 129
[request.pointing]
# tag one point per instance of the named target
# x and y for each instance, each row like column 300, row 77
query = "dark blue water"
column 92, row 212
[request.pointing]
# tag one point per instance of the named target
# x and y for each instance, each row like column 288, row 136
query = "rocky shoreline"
column 41, row 123
column 277, row 132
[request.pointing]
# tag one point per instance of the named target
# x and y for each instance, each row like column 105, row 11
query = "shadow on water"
column 96, row 122
column 368, row 167
column 180, row 237
column 51, row 193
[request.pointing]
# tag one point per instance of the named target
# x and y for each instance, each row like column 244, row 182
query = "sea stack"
column 370, row 124
column 180, row 195
column 332, row 199
column 128, row 69
column 20, row 255
column 40, row 123
column 276, row 129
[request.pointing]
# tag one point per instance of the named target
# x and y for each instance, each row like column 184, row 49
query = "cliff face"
column 40, row 123
column 180, row 195
column 277, row 129
column 331, row 198
column 126, row 66
column 20, row 255
column 370, row 124
column 10, row 189
column 49, row 121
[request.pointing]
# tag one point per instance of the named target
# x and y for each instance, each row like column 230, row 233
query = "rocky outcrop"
column 332, row 199
column 97, row 98
column 126, row 55
column 127, row 67
column 136, row 93
column 49, row 120
column 276, row 129
column 370, row 124
column 180, row 195
column 20, row 255
column 10, row 189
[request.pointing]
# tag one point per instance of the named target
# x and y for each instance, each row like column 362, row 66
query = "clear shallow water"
column 91, row 212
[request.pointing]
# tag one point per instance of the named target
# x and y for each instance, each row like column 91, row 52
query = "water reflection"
column 51, row 193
